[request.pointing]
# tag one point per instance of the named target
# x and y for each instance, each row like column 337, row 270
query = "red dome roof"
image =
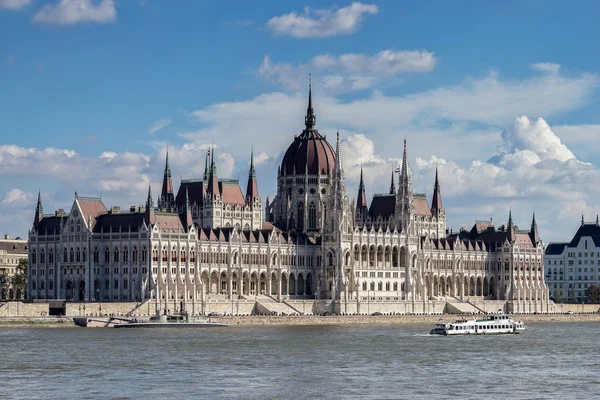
column 310, row 152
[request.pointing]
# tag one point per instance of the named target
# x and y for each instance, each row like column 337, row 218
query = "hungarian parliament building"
column 211, row 242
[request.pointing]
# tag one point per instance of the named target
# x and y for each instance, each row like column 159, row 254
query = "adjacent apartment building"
column 572, row 267
column 11, row 251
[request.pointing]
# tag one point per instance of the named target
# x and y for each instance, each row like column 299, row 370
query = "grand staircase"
column 269, row 305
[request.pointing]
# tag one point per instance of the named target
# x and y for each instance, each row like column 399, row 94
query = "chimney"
column 6, row 237
column 132, row 209
column 115, row 210
column 60, row 212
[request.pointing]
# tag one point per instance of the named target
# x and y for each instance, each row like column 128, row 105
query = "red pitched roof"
column 231, row 193
column 421, row 206
column 169, row 222
column 90, row 207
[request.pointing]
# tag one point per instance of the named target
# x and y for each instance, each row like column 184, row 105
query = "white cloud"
column 323, row 22
column 348, row 72
column 546, row 67
column 17, row 196
column 14, row 4
column 533, row 141
column 158, row 125
column 69, row 12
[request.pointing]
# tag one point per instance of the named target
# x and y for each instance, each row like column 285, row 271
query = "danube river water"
column 550, row 360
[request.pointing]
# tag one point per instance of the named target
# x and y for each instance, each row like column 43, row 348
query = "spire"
column 149, row 216
column 597, row 222
column 436, row 202
column 582, row 221
column 39, row 211
column 339, row 168
column 188, row 211
column 511, row 227
column 535, row 237
column 404, row 195
column 206, row 165
column 167, row 198
column 213, row 183
column 310, row 120
column 361, row 199
column 392, row 184
column 252, row 187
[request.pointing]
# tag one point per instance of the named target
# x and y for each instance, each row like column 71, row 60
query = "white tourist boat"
column 493, row 324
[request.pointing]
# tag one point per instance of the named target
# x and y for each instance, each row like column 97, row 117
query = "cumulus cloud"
column 14, row 4
column 534, row 171
column 70, row 12
column 532, row 142
column 321, row 23
column 158, row 125
column 17, row 196
column 347, row 72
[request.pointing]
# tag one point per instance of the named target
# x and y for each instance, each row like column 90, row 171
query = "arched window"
column 72, row 255
column 173, row 255
column 51, row 256
column 182, row 254
column 78, row 255
column 330, row 257
column 312, row 216
column 42, row 257
column 134, row 254
column 145, row 255
column 84, row 255
column 192, row 255
column 364, row 286
column 372, row 286
column 33, row 257
column 300, row 219
column 125, row 254
column 380, row 286
column 96, row 255
column 106, row 255
column 164, row 255
column 116, row 254
column 65, row 255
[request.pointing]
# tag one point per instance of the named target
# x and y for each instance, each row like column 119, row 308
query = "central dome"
column 310, row 153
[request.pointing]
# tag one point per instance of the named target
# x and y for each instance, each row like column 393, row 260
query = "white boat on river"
column 493, row 324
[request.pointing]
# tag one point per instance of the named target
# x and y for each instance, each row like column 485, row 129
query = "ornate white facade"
column 210, row 242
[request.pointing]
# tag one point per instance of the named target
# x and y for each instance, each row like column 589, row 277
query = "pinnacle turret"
column 535, row 237
column 310, row 120
column 167, row 198
column 39, row 211
column 511, row 228
column 436, row 202
column 149, row 216
column 252, row 187
column 213, row 183
column 392, row 184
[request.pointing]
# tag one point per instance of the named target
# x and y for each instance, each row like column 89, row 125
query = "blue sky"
column 82, row 84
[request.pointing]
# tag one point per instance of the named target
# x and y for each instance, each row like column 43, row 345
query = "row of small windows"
column 388, row 287
column 73, row 255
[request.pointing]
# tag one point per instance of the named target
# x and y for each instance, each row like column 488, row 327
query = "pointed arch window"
column 72, row 255
column 300, row 219
column 312, row 216
column 96, row 255
column 51, row 256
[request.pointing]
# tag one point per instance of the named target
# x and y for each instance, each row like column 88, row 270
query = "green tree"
column 19, row 279
column 593, row 293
